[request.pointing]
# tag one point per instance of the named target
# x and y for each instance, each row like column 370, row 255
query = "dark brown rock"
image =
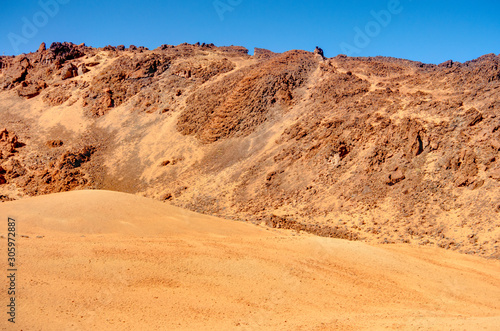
column 66, row 51
column 319, row 52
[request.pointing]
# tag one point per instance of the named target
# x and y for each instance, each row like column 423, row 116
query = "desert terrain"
column 200, row 187
column 113, row 261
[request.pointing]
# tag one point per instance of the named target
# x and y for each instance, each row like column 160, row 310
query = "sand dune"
column 121, row 262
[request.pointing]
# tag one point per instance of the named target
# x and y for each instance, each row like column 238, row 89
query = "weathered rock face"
column 123, row 80
column 67, row 172
column 66, row 51
column 42, row 47
column 261, row 53
column 30, row 90
column 69, row 71
column 31, row 73
column 319, row 51
column 377, row 149
column 8, row 144
column 82, row 69
column 244, row 99
column 10, row 167
column 17, row 71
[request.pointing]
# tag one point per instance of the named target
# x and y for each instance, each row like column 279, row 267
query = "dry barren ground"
column 378, row 149
column 100, row 260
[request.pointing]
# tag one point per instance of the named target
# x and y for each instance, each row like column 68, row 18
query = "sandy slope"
column 381, row 149
column 116, row 261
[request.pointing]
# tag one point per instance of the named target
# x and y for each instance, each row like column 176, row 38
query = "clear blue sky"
column 421, row 30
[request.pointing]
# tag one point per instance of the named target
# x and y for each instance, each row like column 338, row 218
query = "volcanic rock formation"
column 376, row 149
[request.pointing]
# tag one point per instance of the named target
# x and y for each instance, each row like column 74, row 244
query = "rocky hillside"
column 375, row 149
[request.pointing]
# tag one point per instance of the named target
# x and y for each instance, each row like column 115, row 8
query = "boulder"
column 319, row 51
column 42, row 47
column 69, row 71
column 30, row 90
column 82, row 69
column 9, row 142
column 19, row 71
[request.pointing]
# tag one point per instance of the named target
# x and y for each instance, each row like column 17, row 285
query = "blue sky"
column 420, row 30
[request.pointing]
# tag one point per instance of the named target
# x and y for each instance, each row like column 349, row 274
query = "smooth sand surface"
column 113, row 261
